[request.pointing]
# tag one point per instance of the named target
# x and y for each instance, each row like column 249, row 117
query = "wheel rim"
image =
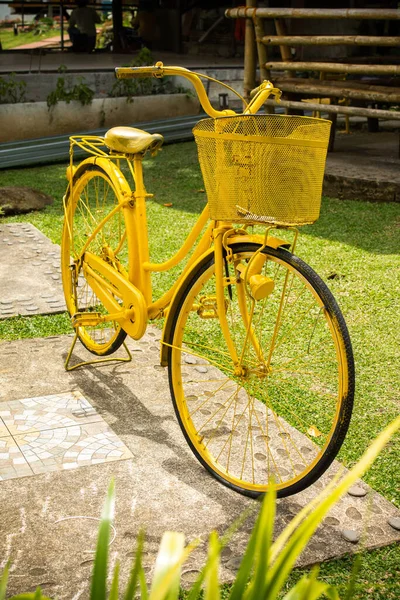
column 94, row 197
column 272, row 422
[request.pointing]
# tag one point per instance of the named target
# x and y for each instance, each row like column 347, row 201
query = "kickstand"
column 98, row 360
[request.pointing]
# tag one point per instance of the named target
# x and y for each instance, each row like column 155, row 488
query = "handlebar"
column 158, row 70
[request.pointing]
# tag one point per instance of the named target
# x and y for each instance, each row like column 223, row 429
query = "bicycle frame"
column 134, row 207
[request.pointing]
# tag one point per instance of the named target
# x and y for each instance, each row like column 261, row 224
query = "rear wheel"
column 283, row 414
column 95, row 194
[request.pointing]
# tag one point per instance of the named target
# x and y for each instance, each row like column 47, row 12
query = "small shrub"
column 42, row 25
column 11, row 90
column 145, row 86
column 67, row 92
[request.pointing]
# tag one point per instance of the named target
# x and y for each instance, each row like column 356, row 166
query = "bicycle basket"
column 263, row 168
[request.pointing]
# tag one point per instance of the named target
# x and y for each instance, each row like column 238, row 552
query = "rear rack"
column 91, row 144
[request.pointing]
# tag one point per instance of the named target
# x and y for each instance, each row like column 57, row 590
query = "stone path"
column 161, row 486
column 30, row 279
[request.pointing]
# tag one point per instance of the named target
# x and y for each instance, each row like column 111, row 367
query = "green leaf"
column 195, row 590
column 114, row 585
column 3, row 581
column 246, row 565
column 354, row 572
column 212, row 589
column 301, row 515
column 98, row 589
column 144, row 594
column 135, row 569
column 281, row 568
column 167, row 570
column 309, row 588
column 263, row 546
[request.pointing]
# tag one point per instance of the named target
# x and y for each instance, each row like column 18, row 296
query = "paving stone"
column 394, row 522
column 190, row 360
column 25, row 266
column 351, row 536
column 357, row 491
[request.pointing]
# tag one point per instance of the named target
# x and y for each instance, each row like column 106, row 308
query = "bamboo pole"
column 314, row 13
column 261, row 49
column 336, row 68
column 350, row 83
column 339, row 89
column 337, row 109
column 281, row 31
column 262, row 53
column 329, row 40
column 249, row 53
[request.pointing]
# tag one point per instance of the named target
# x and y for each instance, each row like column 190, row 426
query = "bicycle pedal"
column 86, row 319
column 207, row 309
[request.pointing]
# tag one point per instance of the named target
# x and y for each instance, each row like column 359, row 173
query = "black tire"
column 308, row 409
column 84, row 210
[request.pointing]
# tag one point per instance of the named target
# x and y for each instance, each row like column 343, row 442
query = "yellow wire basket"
column 263, row 168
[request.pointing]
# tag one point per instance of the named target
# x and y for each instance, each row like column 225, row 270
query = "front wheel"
column 283, row 414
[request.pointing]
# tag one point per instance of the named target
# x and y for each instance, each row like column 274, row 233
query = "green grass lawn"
column 354, row 247
column 10, row 41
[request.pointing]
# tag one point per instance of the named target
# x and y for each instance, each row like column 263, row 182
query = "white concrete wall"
column 33, row 119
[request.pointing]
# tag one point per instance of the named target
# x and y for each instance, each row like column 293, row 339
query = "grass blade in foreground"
column 309, row 588
column 4, row 576
column 98, row 589
column 212, row 591
column 167, row 571
column 136, row 570
column 284, row 559
column 115, row 582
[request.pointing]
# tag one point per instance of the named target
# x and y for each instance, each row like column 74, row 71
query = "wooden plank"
column 249, row 54
column 314, row 13
column 388, row 85
column 354, row 111
column 339, row 89
column 261, row 48
column 281, row 31
column 335, row 68
column 329, row 40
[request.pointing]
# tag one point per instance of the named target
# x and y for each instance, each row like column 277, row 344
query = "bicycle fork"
column 222, row 280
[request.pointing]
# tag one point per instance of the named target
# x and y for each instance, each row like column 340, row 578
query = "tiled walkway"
column 51, row 433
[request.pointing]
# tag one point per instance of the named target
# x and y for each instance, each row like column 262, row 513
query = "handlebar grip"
column 136, row 72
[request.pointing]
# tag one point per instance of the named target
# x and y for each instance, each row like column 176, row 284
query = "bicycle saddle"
column 129, row 140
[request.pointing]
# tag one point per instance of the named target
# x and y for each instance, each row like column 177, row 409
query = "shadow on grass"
column 373, row 227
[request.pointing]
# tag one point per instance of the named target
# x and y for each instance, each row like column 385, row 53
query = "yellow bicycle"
column 259, row 358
